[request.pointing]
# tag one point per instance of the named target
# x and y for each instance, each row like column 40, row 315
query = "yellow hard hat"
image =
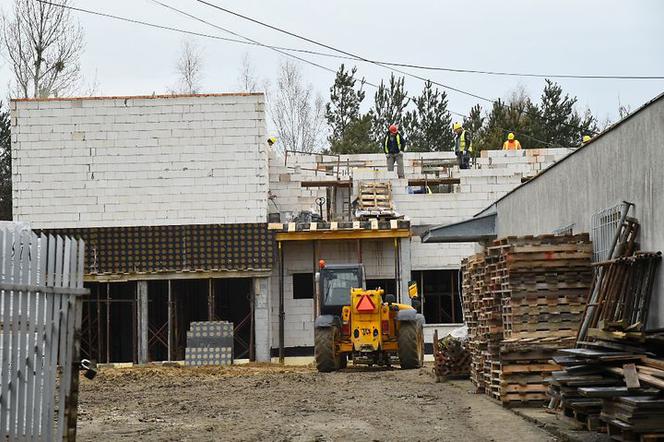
column 456, row 126
column 271, row 140
column 586, row 138
column 510, row 136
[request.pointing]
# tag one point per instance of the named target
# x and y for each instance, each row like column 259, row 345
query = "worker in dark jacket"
column 463, row 145
column 394, row 146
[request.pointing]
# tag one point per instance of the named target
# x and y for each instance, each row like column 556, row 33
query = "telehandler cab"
column 364, row 326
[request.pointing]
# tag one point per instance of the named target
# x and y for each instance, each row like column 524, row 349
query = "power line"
column 306, row 61
column 350, row 54
column 520, row 74
column 382, row 62
column 246, row 40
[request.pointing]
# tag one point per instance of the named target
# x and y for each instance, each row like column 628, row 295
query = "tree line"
column 43, row 44
column 426, row 121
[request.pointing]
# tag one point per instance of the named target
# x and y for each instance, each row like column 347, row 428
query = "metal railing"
column 41, row 283
column 603, row 227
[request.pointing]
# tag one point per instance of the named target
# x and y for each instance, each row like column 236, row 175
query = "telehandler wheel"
column 411, row 345
column 325, row 349
column 343, row 361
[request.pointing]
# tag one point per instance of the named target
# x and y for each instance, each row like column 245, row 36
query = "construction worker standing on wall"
column 463, row 145
column 394, row 146
column 511, row 143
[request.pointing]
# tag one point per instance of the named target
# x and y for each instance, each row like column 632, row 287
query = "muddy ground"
column 266, row 403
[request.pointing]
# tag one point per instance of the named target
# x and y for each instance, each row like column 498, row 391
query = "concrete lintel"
column 177, row 275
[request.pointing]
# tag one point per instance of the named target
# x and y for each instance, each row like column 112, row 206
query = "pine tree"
column 5, row 165
column 389, row 105
column 428, row 125
column 588, row 125
column 475, row 124
column 493, row 132
column 357, row 138
column 555, row 120
column 344, row 105
column 505, row 117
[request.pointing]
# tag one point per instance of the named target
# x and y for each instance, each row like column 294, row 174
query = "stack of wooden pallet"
column 375, row 200
column 473, row 287
column 547, row 285
column 544, row 291
column 524, row 298
column 525, row 367
column 490, row 319
column 451, row 358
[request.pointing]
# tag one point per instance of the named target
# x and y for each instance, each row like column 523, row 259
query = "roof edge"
column 579, row 149
column 141, row 97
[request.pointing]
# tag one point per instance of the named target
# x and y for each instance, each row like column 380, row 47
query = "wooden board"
column 631, row 376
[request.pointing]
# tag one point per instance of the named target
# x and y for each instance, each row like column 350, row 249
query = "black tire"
column 343, row 361
column 411, row 345
column 325, row 349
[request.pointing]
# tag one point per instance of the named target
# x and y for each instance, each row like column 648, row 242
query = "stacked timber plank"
column 614, row 380
column 524, row 298
column 615, row 391
column 451, row 358
column 634, row 417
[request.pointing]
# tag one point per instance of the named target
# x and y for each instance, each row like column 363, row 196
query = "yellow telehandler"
column 364, row 326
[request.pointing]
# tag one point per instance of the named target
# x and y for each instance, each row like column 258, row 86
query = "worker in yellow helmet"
column 463, row 145
column 586, row 138
column 511, row 143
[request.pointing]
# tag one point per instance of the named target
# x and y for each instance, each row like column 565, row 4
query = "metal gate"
column 41, row 284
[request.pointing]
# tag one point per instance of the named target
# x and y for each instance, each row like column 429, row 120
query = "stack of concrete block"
column 209, row 343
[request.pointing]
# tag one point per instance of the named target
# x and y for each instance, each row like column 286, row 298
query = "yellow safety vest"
column 462, row 143
column 387, row 139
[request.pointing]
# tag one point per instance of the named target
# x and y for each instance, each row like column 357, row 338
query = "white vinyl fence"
column 41, row 284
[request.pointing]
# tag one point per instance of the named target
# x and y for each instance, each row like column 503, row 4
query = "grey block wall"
column 625, row 163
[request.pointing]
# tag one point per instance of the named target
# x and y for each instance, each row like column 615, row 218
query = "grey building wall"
column 624, row 163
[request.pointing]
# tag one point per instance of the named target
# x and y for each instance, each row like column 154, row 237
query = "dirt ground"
column 274, row 403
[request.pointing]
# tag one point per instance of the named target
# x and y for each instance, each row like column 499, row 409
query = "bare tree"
column 248, row 82
column 298, row 115
column 43, row 45
column 93, row 88
column 189, row 68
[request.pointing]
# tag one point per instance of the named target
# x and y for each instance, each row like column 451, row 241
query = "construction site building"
column 188, row 215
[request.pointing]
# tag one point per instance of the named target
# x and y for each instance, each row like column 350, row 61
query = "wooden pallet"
column 375, row 196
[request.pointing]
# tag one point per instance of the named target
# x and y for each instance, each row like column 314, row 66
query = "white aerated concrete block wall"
column 140, row 160
column 497, row 174
column 378, row 259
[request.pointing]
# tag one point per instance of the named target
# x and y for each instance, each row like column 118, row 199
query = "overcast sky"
column 551, row 37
